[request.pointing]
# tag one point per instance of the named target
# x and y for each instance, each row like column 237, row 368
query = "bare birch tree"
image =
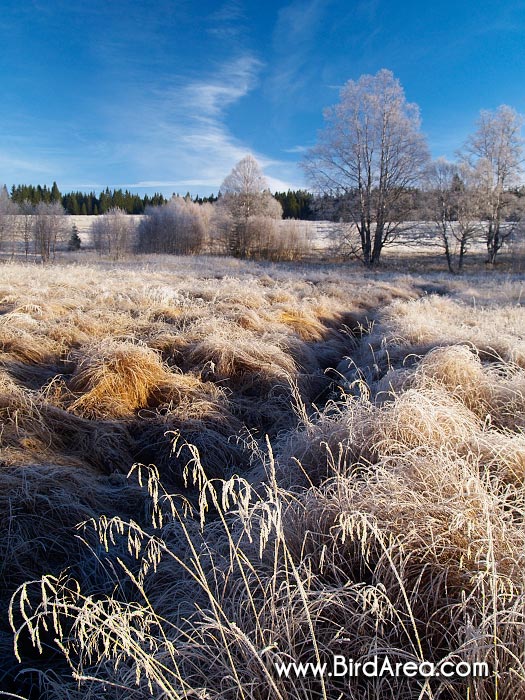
column 8, row 210
column 48, row 229
column 495, row 152
column 113, row 233
column 25, row 229
column 370, row 153
column 453, row 205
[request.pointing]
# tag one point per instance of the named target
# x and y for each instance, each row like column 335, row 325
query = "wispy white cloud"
column 162, row 184
column 210, row 98
column 228, row 22
column 12, row 162
column 230, row 11
column 296, row 149
column 293, row 43
column 178, row 136
column 277, row 184
column 170, row 133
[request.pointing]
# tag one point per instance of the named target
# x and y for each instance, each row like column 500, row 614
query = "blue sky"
column 169, row 95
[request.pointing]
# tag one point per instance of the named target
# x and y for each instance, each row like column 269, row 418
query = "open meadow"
column 210, row 467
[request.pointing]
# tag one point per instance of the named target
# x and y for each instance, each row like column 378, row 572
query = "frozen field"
column 333, row 462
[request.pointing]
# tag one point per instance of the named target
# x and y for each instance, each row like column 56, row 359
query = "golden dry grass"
column 384, row 514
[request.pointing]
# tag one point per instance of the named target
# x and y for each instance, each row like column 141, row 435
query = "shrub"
column 178, row 227
column 113, row 233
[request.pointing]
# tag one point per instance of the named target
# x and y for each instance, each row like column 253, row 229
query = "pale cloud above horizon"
column 191, row 117
column 175, row 129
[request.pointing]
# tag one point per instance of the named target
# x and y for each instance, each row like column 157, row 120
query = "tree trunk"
column 378, row 243
column 493, row 243
column 366, row 243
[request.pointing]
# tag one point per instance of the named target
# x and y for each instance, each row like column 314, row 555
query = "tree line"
column 82, row 203
column 296, row 204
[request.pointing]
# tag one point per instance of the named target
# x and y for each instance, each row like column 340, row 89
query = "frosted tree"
column 179, row 227
column 453, row 206
column 8, row 211
column 370, row 155
column 49, row 228
column 26, row 219
column 113, row 233
column 495, row 153
column 244, row 195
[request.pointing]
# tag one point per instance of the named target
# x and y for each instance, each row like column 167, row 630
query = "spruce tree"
column 75, row 242
column 55, row 193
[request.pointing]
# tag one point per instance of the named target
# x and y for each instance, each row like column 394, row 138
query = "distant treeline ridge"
column 86, row 203
column 296, row 204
